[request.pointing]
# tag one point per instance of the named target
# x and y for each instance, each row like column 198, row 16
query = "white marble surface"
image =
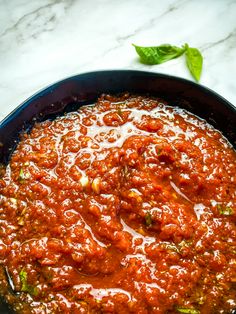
column 42, row 41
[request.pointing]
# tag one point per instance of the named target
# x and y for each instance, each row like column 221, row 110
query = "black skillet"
column 71, row 93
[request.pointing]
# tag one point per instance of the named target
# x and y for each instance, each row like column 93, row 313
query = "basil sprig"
column 163, row 53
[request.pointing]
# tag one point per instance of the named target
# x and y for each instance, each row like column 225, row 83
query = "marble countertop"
column 43, row 41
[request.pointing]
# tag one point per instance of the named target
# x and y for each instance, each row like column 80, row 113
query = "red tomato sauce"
column 126, row 206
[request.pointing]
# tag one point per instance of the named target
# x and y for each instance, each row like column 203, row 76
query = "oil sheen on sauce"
column 125, row 206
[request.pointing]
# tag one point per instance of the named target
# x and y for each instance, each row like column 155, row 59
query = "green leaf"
column 148, row 219
column 158, row 54
column 194, row 61
column 25, row 287
column 225, row 210
column 187, row 310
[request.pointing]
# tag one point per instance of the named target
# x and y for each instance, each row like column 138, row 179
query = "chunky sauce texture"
column 126, row 206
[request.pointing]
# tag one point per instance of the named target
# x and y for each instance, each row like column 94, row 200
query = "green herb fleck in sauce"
column 148, row 219
column 187, row 310
column 225, row 210
column 25, row 287
column 23, row 176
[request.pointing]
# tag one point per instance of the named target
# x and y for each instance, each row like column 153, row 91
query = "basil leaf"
column 187, row 310
column 163, row 53
column 158, row 54
column 194, row 61
column 25, row 287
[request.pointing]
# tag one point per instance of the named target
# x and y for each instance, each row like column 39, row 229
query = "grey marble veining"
column 42, row 41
